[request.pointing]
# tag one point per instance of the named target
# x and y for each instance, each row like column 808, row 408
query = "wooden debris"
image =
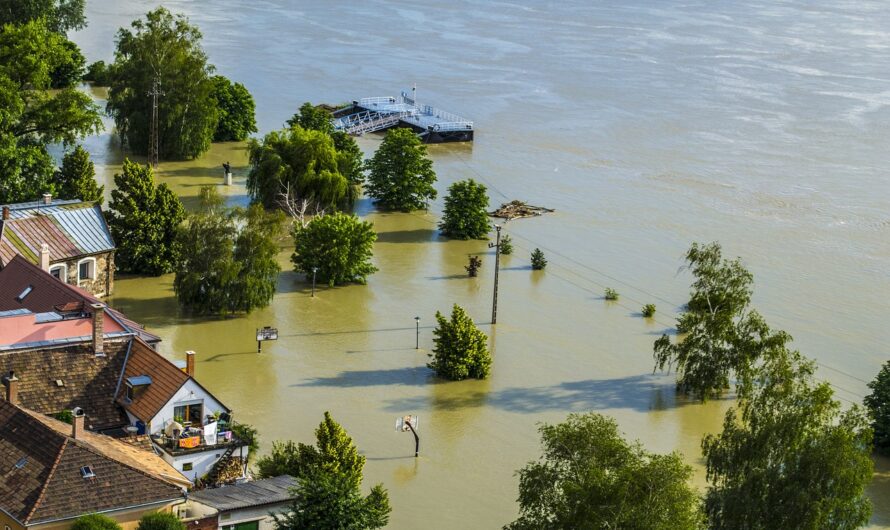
column 518, row 210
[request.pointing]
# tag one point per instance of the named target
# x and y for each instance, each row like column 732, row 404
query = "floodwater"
column 647, row 125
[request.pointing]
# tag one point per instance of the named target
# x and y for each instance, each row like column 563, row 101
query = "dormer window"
column 136, row 386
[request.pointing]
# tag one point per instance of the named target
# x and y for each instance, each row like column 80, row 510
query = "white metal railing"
column 383, row 100
column 453, row 126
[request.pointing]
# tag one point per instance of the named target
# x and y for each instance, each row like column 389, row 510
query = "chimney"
column 6, row 213
column 12, row 388
column 77, row 423
column 47, row 199
column 190, row 363
column 44, row 257
column 98, row 335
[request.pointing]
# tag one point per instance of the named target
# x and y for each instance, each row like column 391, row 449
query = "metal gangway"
column 369, row 121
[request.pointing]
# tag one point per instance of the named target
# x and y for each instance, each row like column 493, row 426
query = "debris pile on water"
column 518, row 210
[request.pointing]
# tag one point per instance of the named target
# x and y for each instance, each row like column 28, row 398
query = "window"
column 86, row 269
column 192, row 413
column 250, row 525
column 60, row 272
column 187, row 466
column 27, row 290
column 87, row 472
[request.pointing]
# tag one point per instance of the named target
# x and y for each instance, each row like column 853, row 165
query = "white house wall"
column 202, row 462
column 252, row 514
column 190, row 391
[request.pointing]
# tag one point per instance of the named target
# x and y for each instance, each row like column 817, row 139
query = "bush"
column 611, row 294
column 95, row 521
column 649, row 310
column 249, row 436
column 539, row 262
column 506, row 246
column 461, row 349
column 160, row 521
column 65, row 415
column 340, row 246
column 98, row 74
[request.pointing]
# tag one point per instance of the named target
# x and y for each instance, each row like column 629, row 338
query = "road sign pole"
column 416, row 439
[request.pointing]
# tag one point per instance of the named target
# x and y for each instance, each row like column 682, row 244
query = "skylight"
column 24, row 293
column 87, row 472
column 21, row 463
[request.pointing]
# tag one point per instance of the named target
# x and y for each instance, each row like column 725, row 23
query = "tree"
column 76, row 179
column 339, row 246
column 237, row 111
column 506, row 247
column 99, row 73
column 249, row 435
column 461, row 349
column 70, row 66
column 32, row 116
column 301, row 161
column 167, row 49
column 61, row 16
column 465, row 215
column 878, row 405
column 317, row 118
column 591, row 478
column 160, row 521
column 723, row 336
column 236, row 270
column 788, row 457
column 144, row 221
column 539, row 262
column 400, row 175
column 329, row 501
column 312, row 118
column 95, row 521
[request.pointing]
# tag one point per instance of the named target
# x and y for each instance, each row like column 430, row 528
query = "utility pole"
column 497, row 266
column 153, row 143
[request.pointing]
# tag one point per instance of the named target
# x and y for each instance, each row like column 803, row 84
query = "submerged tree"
column 76, row 179
column 60, row 16
column 539, row 262
column 312, row 118
column 237, row 111
column 590, row 477
column 465, row 215
column 878, row 405
column 400, row 175
column 144, row 220
column 339, row 247
column 788, row 456
column 461, row 348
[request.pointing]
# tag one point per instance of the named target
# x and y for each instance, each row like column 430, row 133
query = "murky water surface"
column 647, row 125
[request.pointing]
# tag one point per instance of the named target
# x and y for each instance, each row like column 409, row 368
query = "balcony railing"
column 192, row 440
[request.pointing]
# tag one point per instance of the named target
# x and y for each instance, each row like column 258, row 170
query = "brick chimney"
column 77, row 423
column 6, row 213
column 47, row 199
column 98, row 334
column 44, row 257
column 12, row 388
column 190, row 363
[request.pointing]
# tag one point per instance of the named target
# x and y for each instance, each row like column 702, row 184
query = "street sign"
column 267, row 333
column 402, row 423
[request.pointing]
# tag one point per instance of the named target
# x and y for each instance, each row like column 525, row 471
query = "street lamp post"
column 314, row 270
column 417, row 335
column 497, row 266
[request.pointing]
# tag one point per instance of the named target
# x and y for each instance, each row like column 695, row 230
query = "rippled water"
column 647, row 125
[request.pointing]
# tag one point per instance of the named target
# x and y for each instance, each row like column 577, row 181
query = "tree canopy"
column 160, row 521
column 400, row 175
column 237, row 111
column 236, row 270
column 95, row 521
column 61, row 16
column 31, row 115
column 590, row 478
column 144, row 220
column 76, row 179
column 312, row 118
column 466, row 215
column 165, row 48
column 788, row 456
column 461, row 348
column 339, row 246
column 722, row 335
column 878, row 405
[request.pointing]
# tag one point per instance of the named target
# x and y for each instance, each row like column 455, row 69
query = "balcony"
column 192, row 440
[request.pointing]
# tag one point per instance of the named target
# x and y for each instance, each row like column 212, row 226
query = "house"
column 50, row 478
column 89, row 356
column 244, row 506
column 67, row 238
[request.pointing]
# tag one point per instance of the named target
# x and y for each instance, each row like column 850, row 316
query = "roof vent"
column 24, row 293
column 87, row 472
column 60, row 383
column 21, row 463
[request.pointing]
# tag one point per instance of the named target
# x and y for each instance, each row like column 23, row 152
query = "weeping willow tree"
column 303, row 163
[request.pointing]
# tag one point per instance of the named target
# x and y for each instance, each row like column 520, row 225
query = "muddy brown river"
column 646, row 125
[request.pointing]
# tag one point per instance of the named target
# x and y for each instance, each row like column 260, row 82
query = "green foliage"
column 590, row 477
column 788, row 457
column 878, row 405
column 649, row 310
column 98, row 73
column 76, row 179
column 461, row 349
column 400, row 175
column 329, row 501
column 160, row 521
column 465, row 215
column 236, row 269
column 301, row 162
column 340, row 246
column 65, row 415
column 506, row 245
column 95, row 521
column 144, row 221
column 539, row 262
column 168, row 48
column 237, row 111
column 249, row 435
column 350, row 163
column 611, row 294
column 723, row 336
column 60, row 16
column 70, row 67
column 312, row 118
column 32, row 116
